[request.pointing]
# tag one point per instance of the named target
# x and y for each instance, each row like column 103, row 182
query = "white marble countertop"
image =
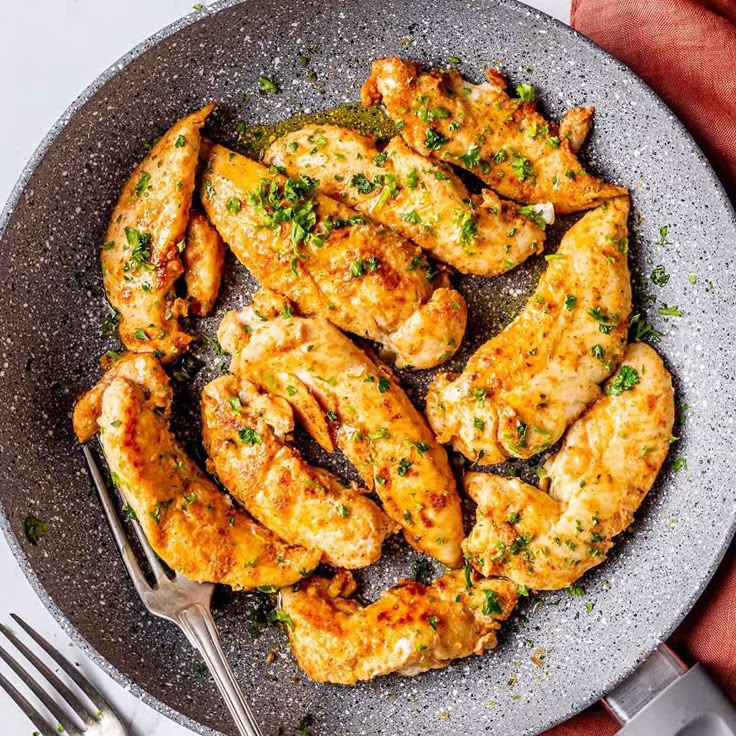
column 50, row 50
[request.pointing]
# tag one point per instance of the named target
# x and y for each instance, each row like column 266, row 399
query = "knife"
column 666, row 698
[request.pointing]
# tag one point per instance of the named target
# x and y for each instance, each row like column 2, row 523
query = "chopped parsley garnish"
column 143, row 185
column 422, row 571
column 640, row 330
column 362, row 184
column 531, row 212
column 522, row 167
column 412, row 179
column 404, row 466
column 526, row 92
column 669, row 311
column 597, row 351
column 575, row 591
column 663, row 232
column 343, row 510
column 249, row 436
column 679, row 464
column 472, row 158
column 468, row 226
column 379, row 158
column 180, row 141
column 383, row 384
column 570, row 301
column 158, row 510
column 433, row 621
column 35, row 528
column 140, row 243
column 491, row 603
column 626, row 379
column 420, row 447
column 479, row 424
column 606, row 322
column 411, row 217
column 128, row 512
column 500, row 157
column 659, row 276
column 233, row 205
column 479, row 394
column 267, row 85
column 280, row 616
column 435, row 140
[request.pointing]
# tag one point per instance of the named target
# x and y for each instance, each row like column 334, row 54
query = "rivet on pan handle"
column 665, row 698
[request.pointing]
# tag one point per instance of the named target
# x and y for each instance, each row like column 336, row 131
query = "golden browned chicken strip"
column 141, row 253
column 244, row 433
column 607, row 464
column 410, row 629
column 330, row 261
column 523, row 387
column 420, row 199
column 191, row 525
column 204, row 261
column 503, row 140
column 346, row 400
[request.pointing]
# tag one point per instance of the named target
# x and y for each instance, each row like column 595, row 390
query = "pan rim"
column 14, row 200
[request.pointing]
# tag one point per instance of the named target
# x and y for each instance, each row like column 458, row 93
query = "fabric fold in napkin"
column 686, row 51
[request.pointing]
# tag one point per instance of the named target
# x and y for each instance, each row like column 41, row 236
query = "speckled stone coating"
column 51, row 306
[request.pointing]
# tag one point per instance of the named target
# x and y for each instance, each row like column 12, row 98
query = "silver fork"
column 99, row 719
column 181, row 601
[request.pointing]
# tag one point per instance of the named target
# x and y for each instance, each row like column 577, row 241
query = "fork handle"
column 199, row 627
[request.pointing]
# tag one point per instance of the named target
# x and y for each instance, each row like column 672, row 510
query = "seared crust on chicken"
column 330, row 261
column 523, row 387
column 608, row 462
column 190, row 524
column 410, row 629
column 502, row 140
column 420, row 199
column 140, row 255
column 244, row 433
column 204, row 261
column 347, row 401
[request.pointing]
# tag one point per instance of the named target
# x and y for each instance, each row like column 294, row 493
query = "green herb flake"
column 659, row 276
column 625, row 380
column 491, row 604
column 249, row 436
column 267, row 85
column 35, row 529
column 233, row 205
column 526, row 92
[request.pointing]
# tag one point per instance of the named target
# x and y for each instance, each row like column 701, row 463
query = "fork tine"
column 71, row 699
column 33, row 715
column 156, row 568
column 95, row 696
column 54, row 708
column 118, row 532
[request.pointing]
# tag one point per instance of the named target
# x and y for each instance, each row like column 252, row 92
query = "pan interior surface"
column 560, row 651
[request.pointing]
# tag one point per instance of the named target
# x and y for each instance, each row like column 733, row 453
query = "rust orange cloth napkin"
column 686, row 51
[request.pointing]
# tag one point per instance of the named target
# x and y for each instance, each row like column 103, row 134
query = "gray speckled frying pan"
column 51, row 307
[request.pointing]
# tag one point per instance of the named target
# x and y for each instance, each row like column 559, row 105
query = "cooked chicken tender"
column 330, row 261
column 204, row 262
column 523, row 387
column 141, row 252
column 502, row 140
column 244, row 433
column 608, row 462
column 345, row 400
column 193, row 527
column 410, row 629
column 420, row 199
